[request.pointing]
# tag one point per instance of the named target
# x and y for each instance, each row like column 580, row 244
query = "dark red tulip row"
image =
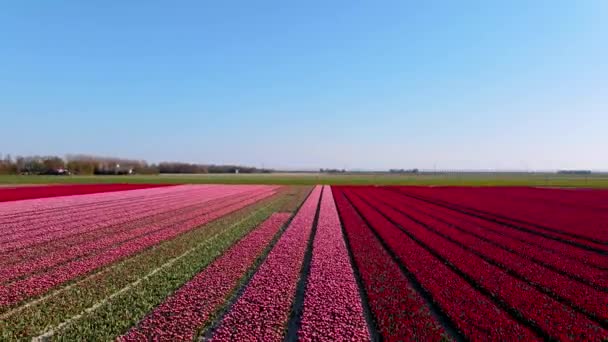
column 548, row 269
column 579, row 224
column 399, row 311
column 28, row 192
column 538, row 309
column 180, row 316
column 133, row 230
column 262, row 311
column 40, row 283
column 474, row 315
column 588, row 266
column 332, row 305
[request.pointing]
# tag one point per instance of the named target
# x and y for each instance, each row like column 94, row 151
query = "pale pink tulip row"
column 101, row 243
column 23, row 255
column 37, row 221
column 38, row 205
column 84, row 206
column 263, row 310
column 38, row 284
column 81, row 231
column 103, row 217
column 332, row 305
column 182, row 314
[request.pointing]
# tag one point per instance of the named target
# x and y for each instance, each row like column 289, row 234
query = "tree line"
column 81, row 164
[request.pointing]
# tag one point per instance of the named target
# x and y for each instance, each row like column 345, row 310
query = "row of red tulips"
column 564, row 222
column 181, row 315
column 130, row 231
column 474, row 315
column 262, row 311
column 332, row 306
column 40, row 283
column 584, row 265
column 538, row 309
column 399, row 311
column 581, row 295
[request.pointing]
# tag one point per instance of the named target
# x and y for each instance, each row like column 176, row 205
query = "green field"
column 468, row 179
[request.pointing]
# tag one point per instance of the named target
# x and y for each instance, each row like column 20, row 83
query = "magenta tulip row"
column 131, row 231
column 40, row 283
column 262, row 311
column 184, row 312
column 332, row 305
column 399, row 311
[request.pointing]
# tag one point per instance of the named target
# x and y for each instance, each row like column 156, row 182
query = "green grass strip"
column 595, row 180
column 126, row 308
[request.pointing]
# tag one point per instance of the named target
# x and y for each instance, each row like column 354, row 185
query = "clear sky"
column 309, row 84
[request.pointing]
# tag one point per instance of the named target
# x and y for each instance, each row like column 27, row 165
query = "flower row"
column 29, row 192
column 399, row 311
column 474, row 315
column 55, row 228
column 131, row 231
column 585, row 265
column 332, row 305
column 545, row 217
column 38, row 284
column 538, row 309
column 262, row 311
column 180, row 316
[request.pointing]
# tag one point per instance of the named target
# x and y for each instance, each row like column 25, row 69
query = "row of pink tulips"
column 25, row 254
column 38, row 284
column 261, row 313
column 43, row 205
column 56, row 229
column 133, row 231
column 87, row 208
column 332, row 305
column 87, row 234
column 182, row 314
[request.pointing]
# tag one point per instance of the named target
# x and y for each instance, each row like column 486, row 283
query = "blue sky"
column 285, row 84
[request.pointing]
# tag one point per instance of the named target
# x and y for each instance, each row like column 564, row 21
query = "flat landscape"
column 595, row 180
column 272, row 262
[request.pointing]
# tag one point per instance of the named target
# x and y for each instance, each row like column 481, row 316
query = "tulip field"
column 302, row 263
